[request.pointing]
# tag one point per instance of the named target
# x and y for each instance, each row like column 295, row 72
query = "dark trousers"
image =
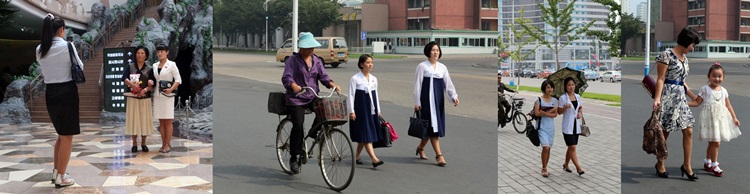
column 297, row 135
column 502, row 107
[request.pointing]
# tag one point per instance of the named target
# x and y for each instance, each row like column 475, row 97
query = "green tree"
column 520, row 39
column 562, row 22
column 314, row 15
column 612, row 36
column 7, row 14
column 632, row 27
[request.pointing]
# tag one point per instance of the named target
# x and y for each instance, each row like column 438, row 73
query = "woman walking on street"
column 546, row 109
column 164, row 101
column 671, row 99
column 571, row 107
column 364, row 108
column 431, row 83
column 61, row 93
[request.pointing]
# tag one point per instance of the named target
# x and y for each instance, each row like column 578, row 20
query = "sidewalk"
column 519, row 162
column 101, row 162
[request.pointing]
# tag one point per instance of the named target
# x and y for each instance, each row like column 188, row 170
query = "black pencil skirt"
column 62, row 106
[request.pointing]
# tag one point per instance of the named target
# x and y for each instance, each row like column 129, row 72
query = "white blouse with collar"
column 425, row 69
column 360, row 82
column 570, row 114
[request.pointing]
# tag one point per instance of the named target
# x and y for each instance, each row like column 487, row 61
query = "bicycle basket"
column 519, row 105
column 332, row 109
column 277, row 103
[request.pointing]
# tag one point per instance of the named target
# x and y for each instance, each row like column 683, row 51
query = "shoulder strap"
column 70, row 53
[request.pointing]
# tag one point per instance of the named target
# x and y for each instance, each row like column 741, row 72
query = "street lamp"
column 266, row 38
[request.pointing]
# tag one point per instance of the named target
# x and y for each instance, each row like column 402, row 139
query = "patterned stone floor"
column 101, row 162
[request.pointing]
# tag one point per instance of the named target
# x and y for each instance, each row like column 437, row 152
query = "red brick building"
column 441, row 14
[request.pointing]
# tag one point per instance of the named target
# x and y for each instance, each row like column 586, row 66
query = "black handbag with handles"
column 417, row 126
column 164, row 84
column 76, row 72
column 385, row 139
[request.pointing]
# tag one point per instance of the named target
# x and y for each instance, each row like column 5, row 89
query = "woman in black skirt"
column 364, row 109
column 61, row 93
column 431, row 83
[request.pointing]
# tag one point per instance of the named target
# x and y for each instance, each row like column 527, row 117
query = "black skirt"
column 62, row 106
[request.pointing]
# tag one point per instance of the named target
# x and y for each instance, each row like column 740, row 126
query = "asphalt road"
column 245, row 160
column 638, row 175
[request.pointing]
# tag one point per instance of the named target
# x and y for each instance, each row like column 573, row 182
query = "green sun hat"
column 307, row 40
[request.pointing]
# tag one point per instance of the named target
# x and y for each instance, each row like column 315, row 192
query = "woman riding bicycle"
column 303, row 69
column 501, row 102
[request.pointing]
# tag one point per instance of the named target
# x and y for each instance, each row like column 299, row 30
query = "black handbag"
column 417, row 126
column 163, row 85
column 75, row 69
column 532, row 133
column 385, row 139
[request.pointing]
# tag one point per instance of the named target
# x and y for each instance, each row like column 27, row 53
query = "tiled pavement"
column 519, row 162
column 101, row 162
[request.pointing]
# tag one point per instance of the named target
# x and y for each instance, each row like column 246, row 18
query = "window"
column 420, row 42
column 492, row 42
column 722, row 49
column 323, row 44
column 697, row 20
column 700, row 49
column 339, row 43
column 489, row 3
column 474, row 42
column 700, row 4
column 421, row 4
column 486, row 26
column 452, row 41
column 736, row 49
column 419, row 24
column 745, row 6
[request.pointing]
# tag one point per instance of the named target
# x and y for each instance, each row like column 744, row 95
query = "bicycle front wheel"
column 336, row 159
column 283, row 147
column 519, row 122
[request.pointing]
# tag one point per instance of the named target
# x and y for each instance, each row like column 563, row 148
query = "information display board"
column 115, row 62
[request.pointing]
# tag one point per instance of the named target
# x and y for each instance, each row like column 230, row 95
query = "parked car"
column 603, row 68
column 526, row 72
column 618, row 68
column 545, row 73
column 612, row 76
column 333, row 51
column 591, row 74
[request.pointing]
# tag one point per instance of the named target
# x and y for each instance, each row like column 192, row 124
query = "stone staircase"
column 90, row 93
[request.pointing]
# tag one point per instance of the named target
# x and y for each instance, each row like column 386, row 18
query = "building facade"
column 724, row 26
column 586, row 52
column 641, row 11
column 405, row 26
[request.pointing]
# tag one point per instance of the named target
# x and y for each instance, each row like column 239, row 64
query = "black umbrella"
column 559, row 76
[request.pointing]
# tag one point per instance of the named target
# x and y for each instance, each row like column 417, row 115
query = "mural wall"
column 78, row 10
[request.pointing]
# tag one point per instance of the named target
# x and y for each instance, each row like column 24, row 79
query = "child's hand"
column 737, row 122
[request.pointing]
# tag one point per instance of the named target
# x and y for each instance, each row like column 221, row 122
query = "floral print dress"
column 675, row 113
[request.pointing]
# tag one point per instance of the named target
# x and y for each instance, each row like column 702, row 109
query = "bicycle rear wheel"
column 336, row 159
column 519, row 122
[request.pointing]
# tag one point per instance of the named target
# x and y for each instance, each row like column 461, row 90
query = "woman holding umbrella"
column 672, row 66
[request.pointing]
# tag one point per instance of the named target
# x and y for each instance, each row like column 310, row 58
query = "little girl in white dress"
column 717, row 119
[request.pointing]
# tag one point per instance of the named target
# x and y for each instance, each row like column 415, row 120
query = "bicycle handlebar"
column 316, row 94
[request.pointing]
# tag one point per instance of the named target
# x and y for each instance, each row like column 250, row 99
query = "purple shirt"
column 296, row 72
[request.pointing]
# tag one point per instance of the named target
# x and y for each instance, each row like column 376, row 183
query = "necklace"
column 718, row 98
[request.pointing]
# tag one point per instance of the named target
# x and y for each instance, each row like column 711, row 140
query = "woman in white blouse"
column 364, row 108
column 53, row 55
column 166, row 70
column 431, row 82
column 571, row 107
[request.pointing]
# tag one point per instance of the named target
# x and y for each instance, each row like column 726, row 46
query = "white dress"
column 163, row 105
column 716, row 121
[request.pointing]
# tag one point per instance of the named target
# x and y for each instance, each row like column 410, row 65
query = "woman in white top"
column 166, row 70
column 431, row 82
column 61, row 94
column 364, row 108
column 571, row 107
